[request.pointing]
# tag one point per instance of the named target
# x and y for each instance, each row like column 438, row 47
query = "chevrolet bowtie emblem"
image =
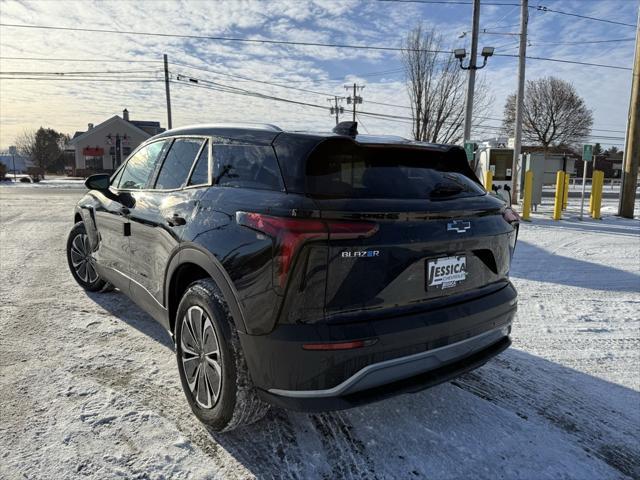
column 458, row 226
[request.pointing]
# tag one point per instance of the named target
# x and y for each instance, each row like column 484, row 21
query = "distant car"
column 313, row 271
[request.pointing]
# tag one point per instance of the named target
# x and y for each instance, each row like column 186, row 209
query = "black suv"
column 313, row 271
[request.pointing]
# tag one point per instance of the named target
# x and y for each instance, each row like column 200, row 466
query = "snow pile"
column 89, row 386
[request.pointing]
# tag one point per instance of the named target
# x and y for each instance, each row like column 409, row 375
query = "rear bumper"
column 411, row 352
column 411, row 384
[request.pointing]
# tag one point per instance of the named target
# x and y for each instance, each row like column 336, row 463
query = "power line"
column 289, row 87
column 97, row 60
column 452, row 2
column 239, row 91
column 533, row 43
column 542, row 8
column 79, row 72
column 210, row 85
column 283, row 42
column 223, row 39
column 92, row 76
column 560, row 60
column 88, row 79
column 250, row 79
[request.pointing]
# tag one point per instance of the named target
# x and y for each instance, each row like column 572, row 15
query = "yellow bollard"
column 598, row 177
column 488, row 180
column 565, row 200
column 594, row 193
column 557, row 206
column 593, row 189
column 528, row 188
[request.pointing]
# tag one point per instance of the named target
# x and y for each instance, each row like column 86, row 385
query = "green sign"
column 587, row 153
column 468, row 147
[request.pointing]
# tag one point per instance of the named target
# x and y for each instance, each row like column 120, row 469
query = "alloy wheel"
column 81, row 259
column 200, row 355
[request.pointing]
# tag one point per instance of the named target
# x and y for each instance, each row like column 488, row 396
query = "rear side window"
column 345, row 169
column 141, row 165
column 248, row 166
column 177, row 164
column 200, row 175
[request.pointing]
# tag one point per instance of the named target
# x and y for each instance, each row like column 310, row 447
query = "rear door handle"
column 175, row 220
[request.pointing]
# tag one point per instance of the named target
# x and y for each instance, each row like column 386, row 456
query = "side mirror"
column 99, row 181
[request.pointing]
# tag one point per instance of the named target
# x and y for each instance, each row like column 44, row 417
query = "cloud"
column 70, row 105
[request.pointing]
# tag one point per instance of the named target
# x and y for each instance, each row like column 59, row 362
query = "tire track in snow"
column 598, row 426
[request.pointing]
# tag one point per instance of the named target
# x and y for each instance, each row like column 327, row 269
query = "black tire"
column 81, row 262
column 236, row 403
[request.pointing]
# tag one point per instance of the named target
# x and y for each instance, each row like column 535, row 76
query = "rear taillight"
column 289, row 233
column 510, row 215
column 512, row 218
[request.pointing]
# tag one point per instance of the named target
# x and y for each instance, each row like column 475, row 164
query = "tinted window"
column 140, row 166
column 344, row 169
column 246, row 166
column 200, row 173
column 178, row 162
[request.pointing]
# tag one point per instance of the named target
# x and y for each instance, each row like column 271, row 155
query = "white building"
column 105, row 146
column 14, row 162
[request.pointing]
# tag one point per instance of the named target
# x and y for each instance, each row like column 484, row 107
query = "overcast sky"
column 68, row 105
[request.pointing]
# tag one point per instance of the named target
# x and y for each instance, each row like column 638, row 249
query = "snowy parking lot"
column 89, row 387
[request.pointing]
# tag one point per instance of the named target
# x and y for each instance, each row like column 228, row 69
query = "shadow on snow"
column 517, row 416
column 534, row 263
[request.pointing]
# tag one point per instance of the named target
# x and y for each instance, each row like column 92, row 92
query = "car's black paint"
column 149, row 243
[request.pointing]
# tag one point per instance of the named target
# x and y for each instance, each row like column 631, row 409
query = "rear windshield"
column 345, row 169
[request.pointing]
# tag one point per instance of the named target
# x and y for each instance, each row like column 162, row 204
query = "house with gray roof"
column 103, row 147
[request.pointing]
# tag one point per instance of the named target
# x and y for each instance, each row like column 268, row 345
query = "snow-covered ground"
column 51, row 181
column 89, row 386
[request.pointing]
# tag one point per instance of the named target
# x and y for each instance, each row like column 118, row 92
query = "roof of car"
column 263, row 133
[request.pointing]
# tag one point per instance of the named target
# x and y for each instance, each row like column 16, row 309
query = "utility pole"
column 632, row 144
column 522, row 57
column 472, row 70
column 355, row 99
column 166, row 86
column 336, row 109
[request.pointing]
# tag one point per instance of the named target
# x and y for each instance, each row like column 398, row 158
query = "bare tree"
column 43, row 146
column 436, row 87
column 25, row 143
column 554, row 114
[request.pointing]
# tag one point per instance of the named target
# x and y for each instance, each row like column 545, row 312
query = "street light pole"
column 517, row 141
column 472, row 70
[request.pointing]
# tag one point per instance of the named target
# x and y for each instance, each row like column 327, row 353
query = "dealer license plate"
column 446, row 272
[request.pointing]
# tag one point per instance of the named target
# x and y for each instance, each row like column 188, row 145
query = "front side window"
column 247, row 166
column 177, row 164
column 138, row 170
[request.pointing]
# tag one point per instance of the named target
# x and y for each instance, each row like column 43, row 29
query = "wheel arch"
column 192, row 263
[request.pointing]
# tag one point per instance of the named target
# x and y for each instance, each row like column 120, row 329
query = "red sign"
column 93, row 151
